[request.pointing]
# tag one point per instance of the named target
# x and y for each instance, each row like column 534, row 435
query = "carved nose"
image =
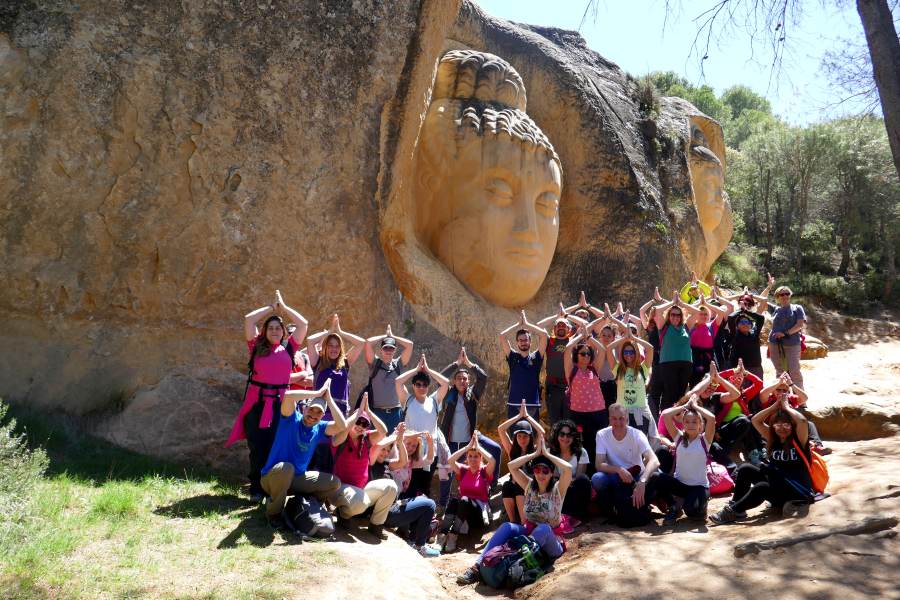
column 525, row 225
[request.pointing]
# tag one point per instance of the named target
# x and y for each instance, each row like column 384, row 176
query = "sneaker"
column 377, row 531
column 672, row 516
column 450, row 545
column 428, row 551
column 727, row 515
column 472, row 575
column 795, row 508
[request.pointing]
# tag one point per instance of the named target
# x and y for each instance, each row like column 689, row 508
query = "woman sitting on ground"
column 784, row 480
column 687, row 489
column 565, row 442
column 413, row 515
column 798, row 399
column 544, row 497
column 472, row 508
column 524, row 430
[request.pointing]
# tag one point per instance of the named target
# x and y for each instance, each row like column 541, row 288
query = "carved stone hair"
column 477, row 93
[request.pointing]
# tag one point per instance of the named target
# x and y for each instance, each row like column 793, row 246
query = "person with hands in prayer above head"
column 583, row 360
column 383, row 372
column 544, row 497
column 300, row 431
column 471, row 509
column 330, row 358
column 555, row 380
column 270, row 366
column 421, row 411
column 524, row 365
column 784, row 480
column 632, row 372
column 352, row 449
column 525, row 430
column 459, row 415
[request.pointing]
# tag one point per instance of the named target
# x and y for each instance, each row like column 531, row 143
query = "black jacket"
column 470, row 400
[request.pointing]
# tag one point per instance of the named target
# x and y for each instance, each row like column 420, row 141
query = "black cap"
column 389, row 341
column 523, row 426
column 542, row 460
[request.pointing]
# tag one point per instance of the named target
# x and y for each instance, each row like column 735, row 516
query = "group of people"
column 638, row 408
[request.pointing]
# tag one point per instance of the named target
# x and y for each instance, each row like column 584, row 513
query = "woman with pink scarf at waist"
column 271, row 362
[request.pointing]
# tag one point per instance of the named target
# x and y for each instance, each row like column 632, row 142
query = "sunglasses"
column 588, row 354
column 362, row 423
column 783, row 294
column 566, row 434
column 627, row 352
column 542, row 469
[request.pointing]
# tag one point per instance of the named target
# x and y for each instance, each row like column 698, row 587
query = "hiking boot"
column 450, row 545
column 672, row 515
column 795, row 508
column 727, row 515
column 472, row 575
column 428, row 551
column 377, row 531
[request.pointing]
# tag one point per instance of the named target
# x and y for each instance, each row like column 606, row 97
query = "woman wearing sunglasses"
column 524, row 430
column 544, row 496
column 632, row 372
column 565, row 442
column 675, row 356
column 421, row 412
column 583, row 361
column 472, row 508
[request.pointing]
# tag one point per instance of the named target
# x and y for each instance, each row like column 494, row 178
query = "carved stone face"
column 708, row 182
column 488, row 182
column 500, row 198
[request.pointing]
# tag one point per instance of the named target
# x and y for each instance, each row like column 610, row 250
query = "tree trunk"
column 845, row 248
column 768, row 221
column 884, row 49
column 889, row 265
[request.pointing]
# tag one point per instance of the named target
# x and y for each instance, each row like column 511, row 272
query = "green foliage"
column 21, row 469
column 647, row 96
column 740, row 99
column 738, row 266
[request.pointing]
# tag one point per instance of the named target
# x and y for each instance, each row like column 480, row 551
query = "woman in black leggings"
column 784, row 480
column 675, row 356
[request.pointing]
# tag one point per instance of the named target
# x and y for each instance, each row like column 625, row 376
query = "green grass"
column 105, row 522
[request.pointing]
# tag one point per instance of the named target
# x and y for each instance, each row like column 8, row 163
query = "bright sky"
column 635, row 35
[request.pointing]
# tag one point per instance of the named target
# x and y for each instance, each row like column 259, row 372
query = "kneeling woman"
column 784, row 480
column 544, row 497
column 471, row 509
column 412, row 514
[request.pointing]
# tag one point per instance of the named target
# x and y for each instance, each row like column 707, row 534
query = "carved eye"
column 547, row 204
column 499, row 192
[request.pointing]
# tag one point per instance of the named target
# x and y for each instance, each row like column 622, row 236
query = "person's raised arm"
column 503, row 341
column 669, row 415
column 768, row 391
column 402, row 455
column 564, row 467
column 660, row 315
column 400, row 384
column 370, row 347
column 506, row 441
column 490, row 463
column 709, row 421
column 442, row 382
column 357, row 343
column 298, row 319
column 760, row 421
column 801, row 425
column 763, row 297
column 311, row 351
column 340, row 421
column 697, row 389
column 540, row 335
column 254, row 317
column 429, row 443
column 582, row 303
column 407, row 345
column 648, row 350
column 454, row 458
column 291, row 397
column 515, row 466
column 380, row 427
column 731, row 392
column 599, row 354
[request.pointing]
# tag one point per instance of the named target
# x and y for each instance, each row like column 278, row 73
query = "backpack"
column 516, row 563
column 377, row 365
column 817, row 467
column 310, row 517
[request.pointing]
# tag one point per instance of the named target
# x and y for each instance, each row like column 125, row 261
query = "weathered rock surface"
column 167, row 165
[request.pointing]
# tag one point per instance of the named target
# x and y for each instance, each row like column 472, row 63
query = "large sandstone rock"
column 167, row 165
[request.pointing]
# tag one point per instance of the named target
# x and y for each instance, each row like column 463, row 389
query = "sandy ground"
column 852, row 390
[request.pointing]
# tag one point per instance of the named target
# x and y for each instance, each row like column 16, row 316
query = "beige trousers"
column 378, row 493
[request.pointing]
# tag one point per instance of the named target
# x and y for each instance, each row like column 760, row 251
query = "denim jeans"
column 542, row 534
column 416, row 514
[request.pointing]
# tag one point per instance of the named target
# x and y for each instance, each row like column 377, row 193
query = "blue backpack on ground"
column 516, row 563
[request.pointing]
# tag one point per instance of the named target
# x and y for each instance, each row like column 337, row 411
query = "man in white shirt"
column 626, row 469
